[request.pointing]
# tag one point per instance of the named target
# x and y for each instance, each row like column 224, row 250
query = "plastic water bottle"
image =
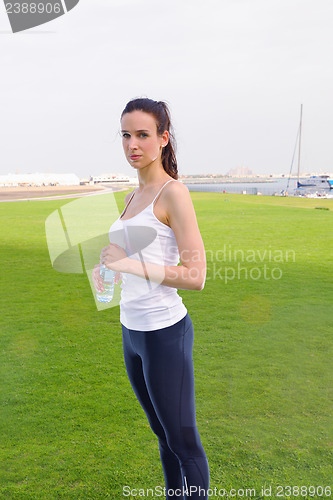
column 108, row 284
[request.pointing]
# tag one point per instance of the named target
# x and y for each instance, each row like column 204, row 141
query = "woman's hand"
column 114, row 257
column 97, row 279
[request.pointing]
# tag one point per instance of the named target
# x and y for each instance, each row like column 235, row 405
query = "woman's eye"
column 126, row 136
column 143, row 134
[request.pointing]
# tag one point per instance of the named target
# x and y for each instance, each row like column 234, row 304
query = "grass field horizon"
column 70, row 425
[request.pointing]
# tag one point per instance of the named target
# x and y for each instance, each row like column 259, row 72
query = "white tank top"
column 146, row 305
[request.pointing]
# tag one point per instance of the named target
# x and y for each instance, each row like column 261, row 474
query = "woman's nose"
column 132, row 144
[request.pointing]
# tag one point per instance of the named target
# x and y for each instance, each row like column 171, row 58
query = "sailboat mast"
column 299, row 145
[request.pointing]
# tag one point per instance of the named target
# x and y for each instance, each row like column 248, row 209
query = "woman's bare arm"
column 191, row 273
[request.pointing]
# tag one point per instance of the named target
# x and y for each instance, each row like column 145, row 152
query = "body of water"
column 278, row 186
column 267, row 188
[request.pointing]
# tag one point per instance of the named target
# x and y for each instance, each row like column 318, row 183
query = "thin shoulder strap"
column 129, row 201
column 162, row 188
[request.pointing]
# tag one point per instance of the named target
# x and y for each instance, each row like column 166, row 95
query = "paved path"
column 65, row 196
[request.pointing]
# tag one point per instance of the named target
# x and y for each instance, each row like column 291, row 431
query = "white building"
column 39, row 179
column 113, row 179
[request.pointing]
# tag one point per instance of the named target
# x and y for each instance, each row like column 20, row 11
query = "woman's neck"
column 149, row 177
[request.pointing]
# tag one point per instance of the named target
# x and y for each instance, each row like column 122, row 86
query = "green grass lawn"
column 70, row 425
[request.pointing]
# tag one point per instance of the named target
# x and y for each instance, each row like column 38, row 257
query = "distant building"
column 39, row 179
column 113, row 179
column 240, row 172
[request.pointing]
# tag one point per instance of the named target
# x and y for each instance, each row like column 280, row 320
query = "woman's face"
column 142, row 146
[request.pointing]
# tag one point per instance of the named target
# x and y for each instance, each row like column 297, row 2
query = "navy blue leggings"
column 159, row 364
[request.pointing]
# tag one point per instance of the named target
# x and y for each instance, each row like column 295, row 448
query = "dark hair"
column 161, row 113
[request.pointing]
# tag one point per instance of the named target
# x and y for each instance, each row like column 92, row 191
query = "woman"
column 156, row 327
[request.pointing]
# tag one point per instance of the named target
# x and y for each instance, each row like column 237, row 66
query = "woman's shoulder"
column 179, row 210
column 174, row 190
column 176, row 198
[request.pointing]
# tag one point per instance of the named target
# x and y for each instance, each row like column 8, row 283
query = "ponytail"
column 169, row 160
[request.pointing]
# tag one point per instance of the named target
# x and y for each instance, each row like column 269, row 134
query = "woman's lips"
column 135, row 157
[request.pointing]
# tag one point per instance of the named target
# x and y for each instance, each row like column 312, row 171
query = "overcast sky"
column 234, row 73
